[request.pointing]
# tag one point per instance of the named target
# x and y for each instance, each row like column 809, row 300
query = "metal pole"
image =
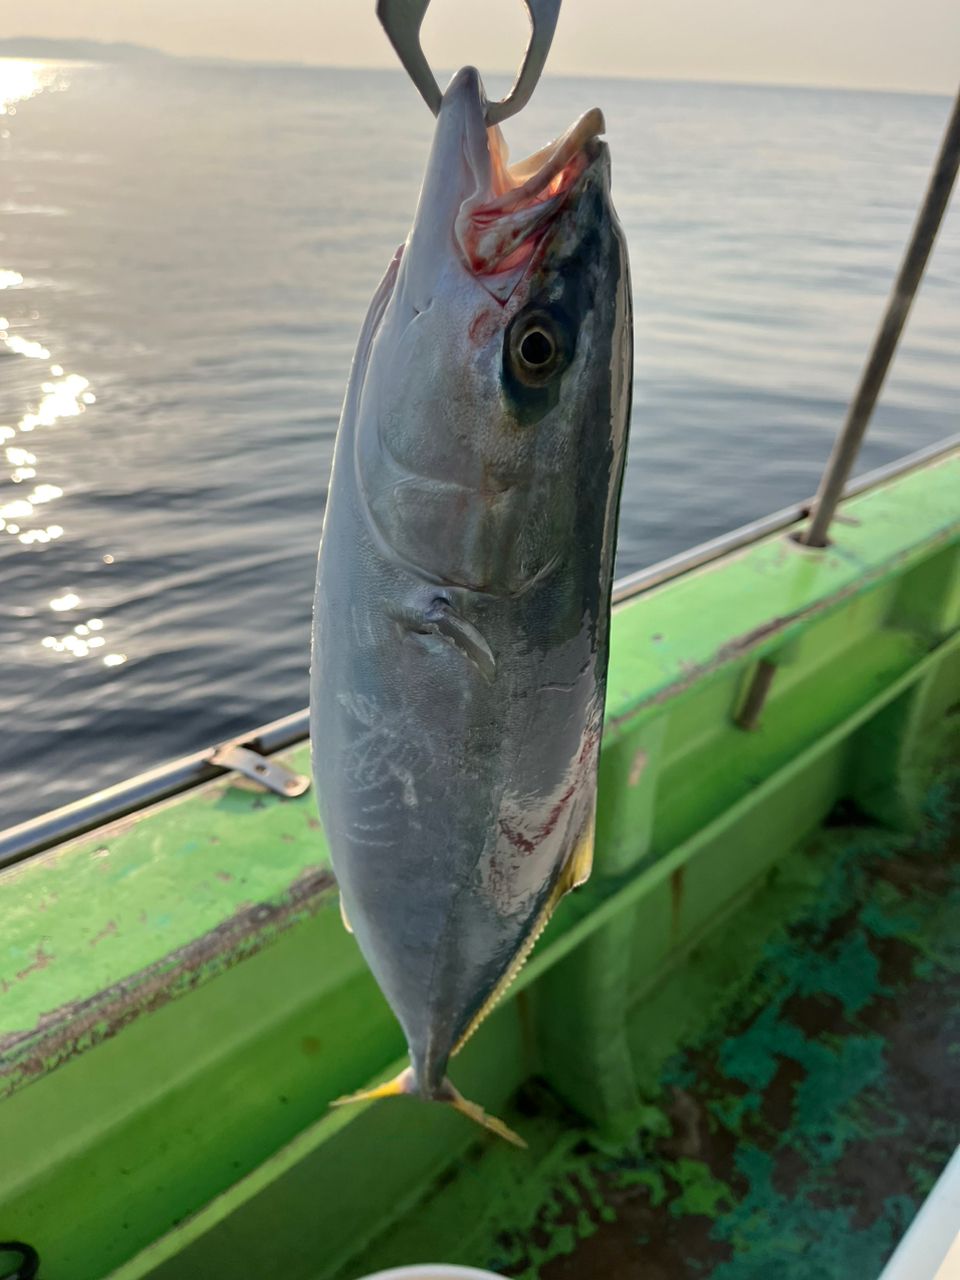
column 848, row 442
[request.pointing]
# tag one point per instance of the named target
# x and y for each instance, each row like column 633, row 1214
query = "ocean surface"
column 186, row 254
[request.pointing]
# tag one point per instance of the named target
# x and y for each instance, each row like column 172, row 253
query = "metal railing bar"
column 135, row 793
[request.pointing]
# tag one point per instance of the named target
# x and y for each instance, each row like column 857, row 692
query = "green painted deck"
column 179, row 1003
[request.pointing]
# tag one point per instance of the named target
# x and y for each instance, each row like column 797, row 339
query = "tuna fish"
column 463, row 596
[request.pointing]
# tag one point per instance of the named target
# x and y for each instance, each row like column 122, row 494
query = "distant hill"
column 77, row 50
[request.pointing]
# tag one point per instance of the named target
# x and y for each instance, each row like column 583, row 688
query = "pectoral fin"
column 465, row 637
column 441, row 619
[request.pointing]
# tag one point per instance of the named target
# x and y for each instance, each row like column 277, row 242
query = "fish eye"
column 535, row 349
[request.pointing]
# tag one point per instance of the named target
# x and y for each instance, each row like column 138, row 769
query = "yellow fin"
column 398, row 1087
column 405, row 1085
column 580, row 863
column 473, row 1111
column 344, row 917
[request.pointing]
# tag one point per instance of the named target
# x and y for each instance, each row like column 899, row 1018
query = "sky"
column 887, row 44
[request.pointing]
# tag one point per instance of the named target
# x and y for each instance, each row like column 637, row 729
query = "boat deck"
column 800, row 1133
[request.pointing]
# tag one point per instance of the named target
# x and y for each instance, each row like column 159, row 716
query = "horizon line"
column 226, row 59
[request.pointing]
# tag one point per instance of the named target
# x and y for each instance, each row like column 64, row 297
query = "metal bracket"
column 275, row 776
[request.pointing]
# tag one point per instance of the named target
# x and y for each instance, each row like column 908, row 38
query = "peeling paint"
column 637, row 766
column 40, row 961
column 65, row 1031
column 108, row 930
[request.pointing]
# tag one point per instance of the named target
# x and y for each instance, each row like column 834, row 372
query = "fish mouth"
column 490, row 214
column 498, row 230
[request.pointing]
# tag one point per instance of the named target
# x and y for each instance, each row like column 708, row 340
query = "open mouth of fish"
column 501, row 222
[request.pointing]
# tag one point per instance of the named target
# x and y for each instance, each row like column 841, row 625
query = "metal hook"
column 402, row 20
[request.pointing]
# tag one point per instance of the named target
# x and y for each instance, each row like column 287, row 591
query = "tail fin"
column 473, row 1111
column 406, row 1084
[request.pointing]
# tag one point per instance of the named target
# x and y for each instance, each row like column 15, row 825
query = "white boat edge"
column 930, row 1249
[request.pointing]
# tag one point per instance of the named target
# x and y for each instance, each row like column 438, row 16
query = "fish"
column 462, row 609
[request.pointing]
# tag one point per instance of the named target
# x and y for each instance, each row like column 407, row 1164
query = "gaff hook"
column 402, row 20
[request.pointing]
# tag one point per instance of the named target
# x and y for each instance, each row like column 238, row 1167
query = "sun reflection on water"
column 63, row 395
column 24, row 347
column 60, row 395
column 23, row 78
column 83, row 641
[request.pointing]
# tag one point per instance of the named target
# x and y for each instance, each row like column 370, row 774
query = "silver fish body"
column 463, row 593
